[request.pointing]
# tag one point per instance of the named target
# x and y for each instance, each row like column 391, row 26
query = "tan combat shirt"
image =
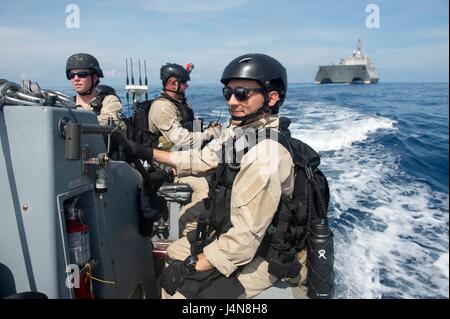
column 110, row 107
column 266, row 171
column 164, row 117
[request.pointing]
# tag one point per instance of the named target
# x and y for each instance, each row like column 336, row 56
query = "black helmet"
column 175, row 70
column 259, row 67
column 83, row 61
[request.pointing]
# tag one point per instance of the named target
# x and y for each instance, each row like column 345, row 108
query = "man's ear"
column 171, row 83
column 274, row 97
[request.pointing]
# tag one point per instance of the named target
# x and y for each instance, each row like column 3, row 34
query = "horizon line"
column 219, row 84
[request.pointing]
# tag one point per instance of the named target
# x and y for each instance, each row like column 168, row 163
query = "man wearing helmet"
column 244, row 194
column 84, row 72
column 171, row 123
column 171, row 118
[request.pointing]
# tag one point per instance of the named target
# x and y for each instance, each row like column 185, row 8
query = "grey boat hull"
column 346, row 74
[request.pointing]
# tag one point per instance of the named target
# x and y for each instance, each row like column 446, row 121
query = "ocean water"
column 384, row 150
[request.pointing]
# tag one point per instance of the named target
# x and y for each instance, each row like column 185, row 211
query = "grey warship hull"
column 346, row 74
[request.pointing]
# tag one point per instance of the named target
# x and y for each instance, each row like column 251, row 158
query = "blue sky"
column 410, row 45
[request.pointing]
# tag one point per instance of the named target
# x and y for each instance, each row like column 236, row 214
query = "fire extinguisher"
column 79, row 250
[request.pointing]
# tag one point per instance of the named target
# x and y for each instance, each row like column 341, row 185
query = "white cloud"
column 42, row 56
column 339, row 35
column 430, row 33
column 169, row 6
column 113, row 74
column 8, row 33
column 418, row 57
column 249, row 41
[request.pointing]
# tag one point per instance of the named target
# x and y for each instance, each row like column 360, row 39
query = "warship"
column 357, row 68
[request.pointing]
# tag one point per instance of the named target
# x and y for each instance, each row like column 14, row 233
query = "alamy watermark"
column 373, row 19
column 232, row 144
column 73, row 17
column 73, row 276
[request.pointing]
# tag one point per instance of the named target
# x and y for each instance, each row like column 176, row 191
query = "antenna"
column 132, row 76
column 128, row 82
column 145, row 80
column 136, row 90
column 140, row 78
column 132, row 82
column 126, row 67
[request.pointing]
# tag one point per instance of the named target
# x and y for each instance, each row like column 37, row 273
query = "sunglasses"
column 240, row 93
column 81, row 74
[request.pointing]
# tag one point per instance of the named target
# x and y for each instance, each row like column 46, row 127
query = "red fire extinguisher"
column 79, row 250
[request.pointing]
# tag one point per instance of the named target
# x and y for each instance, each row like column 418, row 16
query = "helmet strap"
column 263, row 109
column 180, row 96
column 177, row 91
column 93, row 85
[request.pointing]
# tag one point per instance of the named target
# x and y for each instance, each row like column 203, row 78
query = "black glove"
column 160, row 176
column 138, row 151
column 173, row 276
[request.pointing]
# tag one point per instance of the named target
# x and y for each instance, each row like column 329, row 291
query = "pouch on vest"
column 102, row 91
column 281, row 253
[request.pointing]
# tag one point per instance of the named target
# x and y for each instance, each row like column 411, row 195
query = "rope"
column 89, row 275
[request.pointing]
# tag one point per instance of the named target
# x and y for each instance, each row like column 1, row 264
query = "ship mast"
column 358, row 46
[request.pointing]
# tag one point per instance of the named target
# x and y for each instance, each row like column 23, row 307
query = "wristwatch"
column 189, row 264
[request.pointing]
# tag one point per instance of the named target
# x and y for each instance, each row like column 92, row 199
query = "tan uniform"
column 110, row 107
column 165, row 119
column 266, row 171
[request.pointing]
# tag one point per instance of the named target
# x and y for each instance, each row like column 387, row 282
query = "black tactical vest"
column 96, row 103
column 219, row 197
column 102, row 91
column 138, row 125
column 289, row 228
column 187, row 115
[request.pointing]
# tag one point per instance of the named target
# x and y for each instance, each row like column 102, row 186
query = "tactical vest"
column 289, row 228
column 220, row 202
column 97, row 102
column 138, row 126
column 187, row 115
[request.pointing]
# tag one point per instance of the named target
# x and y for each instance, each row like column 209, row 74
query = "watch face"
column 190, row 263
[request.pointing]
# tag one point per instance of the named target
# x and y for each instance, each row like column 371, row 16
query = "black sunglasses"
column 81, row 74
column 240, row 93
